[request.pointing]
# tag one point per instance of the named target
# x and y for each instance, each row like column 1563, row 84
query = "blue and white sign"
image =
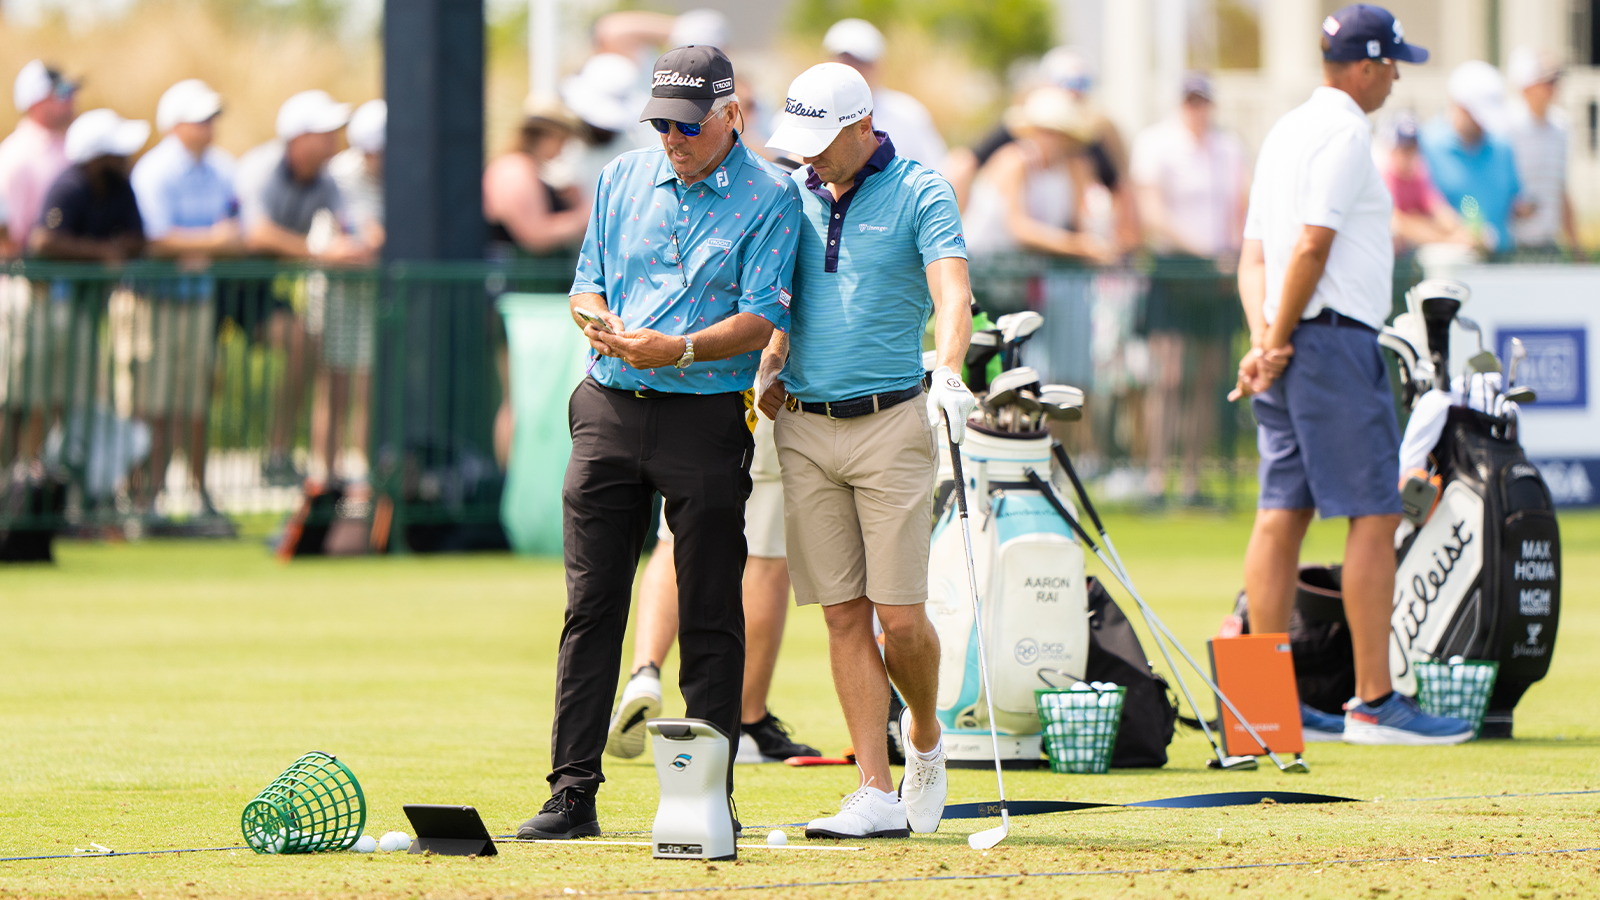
column 1556, row 367
column 1552, row 309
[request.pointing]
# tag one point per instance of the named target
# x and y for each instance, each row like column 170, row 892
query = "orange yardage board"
column 1256, row 671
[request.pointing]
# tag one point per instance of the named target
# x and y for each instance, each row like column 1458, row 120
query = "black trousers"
column 695, row 450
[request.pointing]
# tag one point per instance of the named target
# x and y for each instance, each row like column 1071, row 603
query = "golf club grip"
column 955, row 468
column 1066, row 463
column 1060, row 508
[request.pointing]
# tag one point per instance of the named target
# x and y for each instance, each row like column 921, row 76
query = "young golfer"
column 1314, row 278
column 687, row 263
column 880, row 250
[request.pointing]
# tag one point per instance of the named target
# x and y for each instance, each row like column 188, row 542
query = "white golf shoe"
column 641, row 700
column 867, row 813
column 923, row 786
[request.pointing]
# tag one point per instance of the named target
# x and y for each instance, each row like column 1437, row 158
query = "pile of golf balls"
column 1080, row 723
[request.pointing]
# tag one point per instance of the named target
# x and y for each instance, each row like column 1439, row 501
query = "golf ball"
column 777, row 839
column 1081, row 686
column 394, row 840
column 1457, row 660
column 365, row 844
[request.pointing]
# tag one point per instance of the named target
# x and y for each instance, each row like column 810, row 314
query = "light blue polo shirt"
column 1487, row 173
column 175, row 190
column 678, row 258
column 860, row 286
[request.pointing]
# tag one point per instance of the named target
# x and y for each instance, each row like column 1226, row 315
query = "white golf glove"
column 948, row 397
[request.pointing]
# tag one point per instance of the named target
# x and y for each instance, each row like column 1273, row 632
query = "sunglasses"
column 687, row 129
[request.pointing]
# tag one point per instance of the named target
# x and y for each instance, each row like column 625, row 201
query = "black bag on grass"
column 1149, row 716
column 1319, row 639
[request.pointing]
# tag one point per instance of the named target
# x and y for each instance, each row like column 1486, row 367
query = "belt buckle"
column 792, row 403
column 827, row 408
column 640, row 394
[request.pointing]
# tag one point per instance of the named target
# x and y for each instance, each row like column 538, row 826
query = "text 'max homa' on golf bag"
column 1480, row 561
column 1046, row 626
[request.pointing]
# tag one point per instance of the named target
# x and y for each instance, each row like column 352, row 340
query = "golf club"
column 1015, row 329
column 1483, row 360
column 1061, row 402
column 1518, row 354
column 1151, row 619
column 1222, row 761
column 982, row 840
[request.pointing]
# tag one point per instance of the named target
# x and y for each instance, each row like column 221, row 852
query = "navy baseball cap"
column 1361, row 31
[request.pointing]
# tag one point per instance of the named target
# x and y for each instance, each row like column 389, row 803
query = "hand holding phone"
column 595, row 320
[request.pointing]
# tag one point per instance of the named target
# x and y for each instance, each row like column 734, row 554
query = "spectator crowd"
column 1054, row 177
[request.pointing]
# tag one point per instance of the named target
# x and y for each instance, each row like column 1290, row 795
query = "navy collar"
column 876, row 163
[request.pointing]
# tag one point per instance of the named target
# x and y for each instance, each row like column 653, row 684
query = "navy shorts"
column 1327, row 430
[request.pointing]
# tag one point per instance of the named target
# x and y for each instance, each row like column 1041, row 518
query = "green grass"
column 148, row 691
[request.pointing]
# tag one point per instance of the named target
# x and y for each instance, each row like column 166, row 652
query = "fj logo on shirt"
column 722, row 178
column 879, row 229
column 795, row 108
column 677, row 79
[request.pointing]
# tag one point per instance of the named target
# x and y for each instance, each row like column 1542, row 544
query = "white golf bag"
column 1030, row 575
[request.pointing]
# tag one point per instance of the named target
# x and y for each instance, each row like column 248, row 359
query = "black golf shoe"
column 771, row 737
column 567, row 815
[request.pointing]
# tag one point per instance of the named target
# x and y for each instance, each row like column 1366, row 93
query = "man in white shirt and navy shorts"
column 1314, row 278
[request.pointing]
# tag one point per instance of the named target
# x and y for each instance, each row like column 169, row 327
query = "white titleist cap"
column 36, row 82
column 1477, row 87
column 311, row 112
column 190, row 100
column 821, row 102
column 855, row 37
column 367, row 126
column 101, row 132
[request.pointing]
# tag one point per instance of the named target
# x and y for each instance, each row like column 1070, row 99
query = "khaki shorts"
column 859, row 504
column 763, row 512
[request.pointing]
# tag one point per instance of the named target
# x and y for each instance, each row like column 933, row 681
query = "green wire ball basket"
column 316, row 805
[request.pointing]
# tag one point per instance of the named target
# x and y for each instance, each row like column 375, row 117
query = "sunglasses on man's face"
column 687, row 129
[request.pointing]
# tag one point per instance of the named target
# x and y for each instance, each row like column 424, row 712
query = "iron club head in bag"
column 1061, row 402
column 1483, row 360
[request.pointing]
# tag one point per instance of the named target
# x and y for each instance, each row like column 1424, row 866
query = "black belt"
column 648, row 393
column 1329, row 317
column 860, row 406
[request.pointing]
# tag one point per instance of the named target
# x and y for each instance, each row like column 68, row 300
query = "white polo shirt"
column 1199, row 181
column 1316, row 168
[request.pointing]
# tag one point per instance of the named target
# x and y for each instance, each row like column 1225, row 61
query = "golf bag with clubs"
column 1479, row 571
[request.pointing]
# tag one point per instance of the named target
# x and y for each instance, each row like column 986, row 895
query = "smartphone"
column 595, row 320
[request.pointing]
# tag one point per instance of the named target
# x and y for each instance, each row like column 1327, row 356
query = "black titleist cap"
column 685, row 83
column 1362, row 31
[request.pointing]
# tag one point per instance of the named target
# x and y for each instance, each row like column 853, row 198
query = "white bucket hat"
column 605, row 93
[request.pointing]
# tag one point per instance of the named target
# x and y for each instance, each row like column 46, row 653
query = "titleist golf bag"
column 1480, row 571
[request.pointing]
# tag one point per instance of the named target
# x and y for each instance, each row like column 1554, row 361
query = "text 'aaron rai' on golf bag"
column 1479, row 573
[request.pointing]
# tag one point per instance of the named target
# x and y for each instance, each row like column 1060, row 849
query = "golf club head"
column 1521, row 394
column 1518, row 354
column 1483, row 361
column 1298, row 767
column 1014, row 380
column 1061, row 402
column 1017, row 327
column 1233, row 763
column 983, row 840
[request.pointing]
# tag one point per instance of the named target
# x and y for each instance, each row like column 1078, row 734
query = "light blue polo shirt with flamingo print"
column 678, row 257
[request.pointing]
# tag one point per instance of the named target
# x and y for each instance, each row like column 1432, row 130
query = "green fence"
column 152, row 400
column 149, row 399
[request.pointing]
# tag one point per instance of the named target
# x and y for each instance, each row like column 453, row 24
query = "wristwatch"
column 687, row 358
